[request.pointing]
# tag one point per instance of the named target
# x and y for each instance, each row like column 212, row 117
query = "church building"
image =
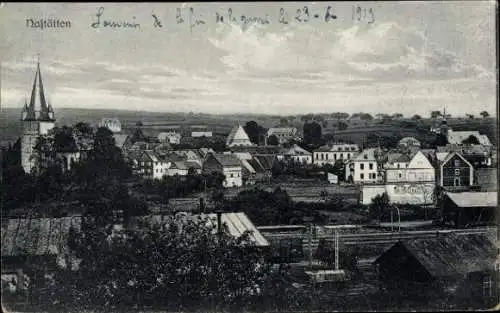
column 36, row 119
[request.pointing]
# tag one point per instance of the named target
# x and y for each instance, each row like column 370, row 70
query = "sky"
column 404, row 57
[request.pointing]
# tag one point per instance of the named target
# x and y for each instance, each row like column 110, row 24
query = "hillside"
column 153, row 121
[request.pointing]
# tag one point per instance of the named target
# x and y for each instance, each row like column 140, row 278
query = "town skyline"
column 405, row 62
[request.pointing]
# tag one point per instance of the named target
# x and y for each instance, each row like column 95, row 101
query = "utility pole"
column 310, row 245
column 337, row 250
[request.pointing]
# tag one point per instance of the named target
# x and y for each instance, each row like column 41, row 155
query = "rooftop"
column 36, row 236
column 474, row 199
column 227, row 160
column 453, row 255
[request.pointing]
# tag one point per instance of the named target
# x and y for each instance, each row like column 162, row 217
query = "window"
column 398, row 165
column 348, row 155
column 370, row 166
column 231, row 175
column 457, row 172
column 322, row 156
column 362, row 176
column 457, row 163
column 335, row 157
column 327, row 156
column 400, row 175
column 341, row 155
column 362, row 166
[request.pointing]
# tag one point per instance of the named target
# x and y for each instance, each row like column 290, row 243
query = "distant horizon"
column 492, row 114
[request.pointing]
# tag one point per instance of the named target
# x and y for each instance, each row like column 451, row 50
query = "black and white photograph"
column 249, row 156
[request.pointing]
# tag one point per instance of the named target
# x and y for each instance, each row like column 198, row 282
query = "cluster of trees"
column 471, row 140
column 312, row 134
column 270, row 208
column 255, row 132
column 176, row 186
column 282, row 169
column 183, row 265
column 436, row 114
column 375, row 140
column 217, row 143
column 96, row 183
column 362, row 116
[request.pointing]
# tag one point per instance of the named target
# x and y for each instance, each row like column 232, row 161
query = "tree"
column 416, row 117
column 253, row 131
column 470, row 116
column 181, row 264
column 283, row 121
column 484, row 114
column 397, row 115
column 273, row 140
column 441, row 140
column 435, row 114
column 379, row 205
column 366, row 117
column 312, row 133
column 339, row 115
column 471, row 140
column 84, row 129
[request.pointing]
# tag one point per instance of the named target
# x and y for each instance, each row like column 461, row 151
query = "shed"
column 469, row 208
column 458, row 267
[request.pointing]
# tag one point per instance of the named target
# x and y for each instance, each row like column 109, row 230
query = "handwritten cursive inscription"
column 244, row 19
column 362, row 14
column 112, row 24
column 156, row 22
column 303, row 15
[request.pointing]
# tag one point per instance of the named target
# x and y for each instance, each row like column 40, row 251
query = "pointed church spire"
column 44, row 113
column 31, row 109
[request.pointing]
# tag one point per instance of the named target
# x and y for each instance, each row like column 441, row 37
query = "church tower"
column 36, row 120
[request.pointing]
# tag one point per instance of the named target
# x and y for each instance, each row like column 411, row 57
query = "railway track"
column 378, row 238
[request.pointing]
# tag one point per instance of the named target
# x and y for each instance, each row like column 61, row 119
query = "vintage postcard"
column 249, row 157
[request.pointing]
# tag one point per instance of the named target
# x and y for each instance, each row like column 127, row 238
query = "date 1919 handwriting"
column 362, row 14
